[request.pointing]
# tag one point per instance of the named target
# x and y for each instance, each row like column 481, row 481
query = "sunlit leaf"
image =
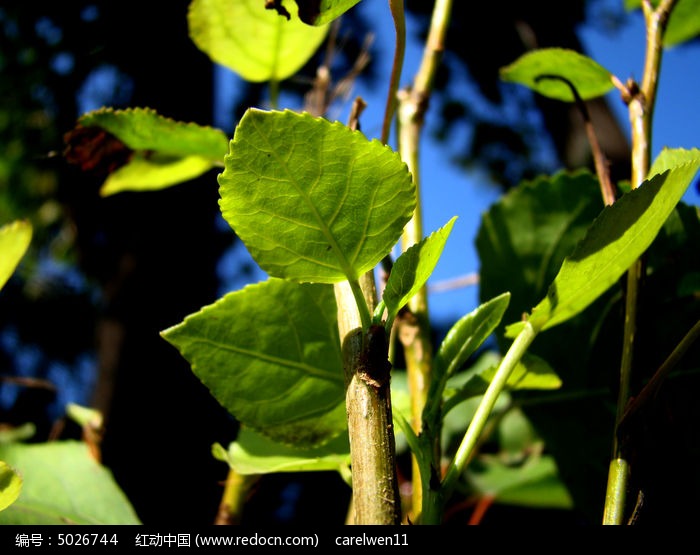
column 270, row 354
column 163, row 152
column 256, row 43
column 670, row 158
column 413, row 268
column 10, row 485
column 684, row 23
column 320, row 12
column 614, row 241
column 254, row 453
column 154, row 172
column 15, row 238
column 63, row 484
column 535, row 69
column 145, row 129
column 312, row 200
column 467, row 335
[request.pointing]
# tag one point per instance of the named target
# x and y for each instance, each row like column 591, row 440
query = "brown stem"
column 233, row 500
column 602, row 166
column 397, row 13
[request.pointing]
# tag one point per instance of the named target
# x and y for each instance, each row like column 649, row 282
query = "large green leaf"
column 63, row 484
column 15, row 238
column 270, row 354
column 166, row 152
column 253, row 453
column 614, row 241
column 684, row 23
column 258, row 44
column 10, row 485
column 320, row 12
column 312, row 200
column 588, row 77
column 524, row 237
column 413, row 268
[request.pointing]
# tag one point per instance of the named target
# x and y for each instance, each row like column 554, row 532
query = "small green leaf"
column 684, row 23
column 166, row 152
column 85, row 417
column 144, row 129
column 614, row 241
column 151, row 173
column 320, row 12
column 10, row 485
column 588, row 77
column 270, row 354
column 312, row 200
column 63, row 484
column 15, row 238
column 467, row 335
column 256, row 43
column 253, row 453
column 413, row 268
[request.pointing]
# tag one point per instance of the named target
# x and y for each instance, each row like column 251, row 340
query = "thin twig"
column 602, row 165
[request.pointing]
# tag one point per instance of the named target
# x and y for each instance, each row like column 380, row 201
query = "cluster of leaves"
column 317, row 203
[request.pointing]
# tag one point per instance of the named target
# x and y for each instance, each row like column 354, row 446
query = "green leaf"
column 614, row 241
column 413, row 268
column 151, row 173
column 670, row 158
column 144, row 129
column 270, row 354
column 588, row 77
column 257, row 44
column 531, row 372
column 253, row 453
column 10, row 485
column 63, row 484
column 467, row 335
column 525, row 236
column 684, row 23
column 312, row 200
column 9, row 434
column 535, row 483
column 15, row 238
column 320, row 12
column 516, row 434
column 166, row 152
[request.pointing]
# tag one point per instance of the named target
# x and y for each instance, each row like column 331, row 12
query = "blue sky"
column 448, row 190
